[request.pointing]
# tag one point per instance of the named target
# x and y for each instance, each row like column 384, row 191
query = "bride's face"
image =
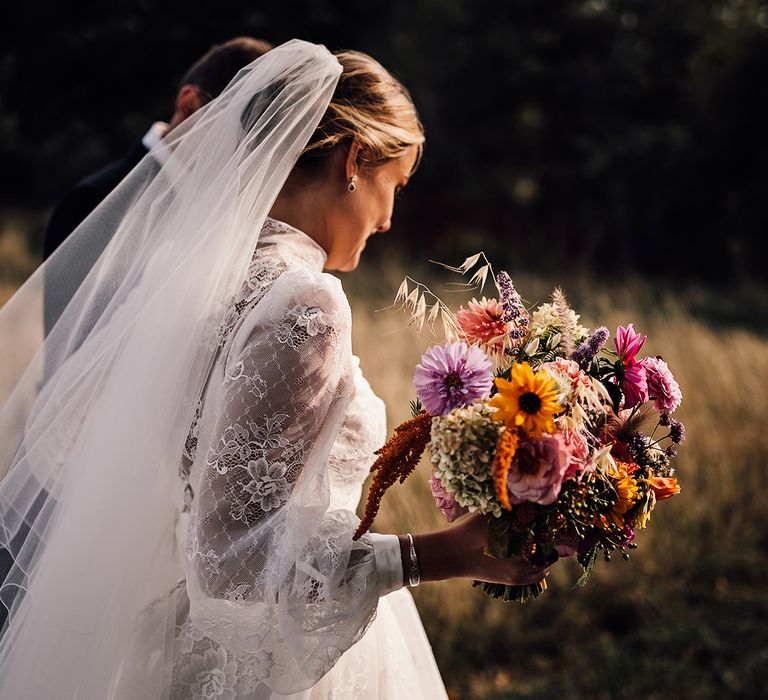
column 366, row 211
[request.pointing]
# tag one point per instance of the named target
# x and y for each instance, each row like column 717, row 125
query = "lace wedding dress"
column 274, row 586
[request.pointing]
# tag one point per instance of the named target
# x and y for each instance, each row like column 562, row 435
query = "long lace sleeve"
column 280, row 588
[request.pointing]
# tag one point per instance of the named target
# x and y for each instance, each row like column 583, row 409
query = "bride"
column 182, row 455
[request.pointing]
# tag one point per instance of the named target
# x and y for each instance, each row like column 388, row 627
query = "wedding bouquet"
column 562, row 442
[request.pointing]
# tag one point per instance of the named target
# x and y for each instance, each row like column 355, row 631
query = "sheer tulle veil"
column 94, row 415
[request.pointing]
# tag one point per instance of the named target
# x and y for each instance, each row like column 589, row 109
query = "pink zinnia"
column 537, row 471
column 662, row 387
column 484, row 322
column 445, row 500
column 628, row 343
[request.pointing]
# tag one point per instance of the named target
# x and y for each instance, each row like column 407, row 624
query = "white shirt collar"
column 154, row 135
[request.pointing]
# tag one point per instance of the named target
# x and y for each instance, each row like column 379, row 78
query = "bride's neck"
column 303, row 210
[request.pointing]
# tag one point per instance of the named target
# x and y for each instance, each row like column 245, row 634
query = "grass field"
column 687, row 615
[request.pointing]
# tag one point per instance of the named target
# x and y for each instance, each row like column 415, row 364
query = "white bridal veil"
column 94, row 416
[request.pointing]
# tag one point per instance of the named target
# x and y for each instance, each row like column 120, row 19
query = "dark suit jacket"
column 84, row 197
column 61, row 283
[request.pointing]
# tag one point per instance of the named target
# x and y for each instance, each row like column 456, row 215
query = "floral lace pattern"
column 278, row 590
column 301, row 322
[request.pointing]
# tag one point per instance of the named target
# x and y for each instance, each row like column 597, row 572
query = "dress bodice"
column 363, row 428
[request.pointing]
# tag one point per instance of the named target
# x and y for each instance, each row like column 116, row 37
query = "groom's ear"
column 188, row 101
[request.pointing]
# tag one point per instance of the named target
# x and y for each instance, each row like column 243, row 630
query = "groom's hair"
column 214, row 71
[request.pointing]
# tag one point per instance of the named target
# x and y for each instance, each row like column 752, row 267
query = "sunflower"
column 529, row 401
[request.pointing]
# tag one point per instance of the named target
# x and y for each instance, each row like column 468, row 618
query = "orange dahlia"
column 483, row 323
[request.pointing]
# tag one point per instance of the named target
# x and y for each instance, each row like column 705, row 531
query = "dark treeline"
column 582, row 133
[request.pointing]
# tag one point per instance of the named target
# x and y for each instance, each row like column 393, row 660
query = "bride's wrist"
column 434, row 558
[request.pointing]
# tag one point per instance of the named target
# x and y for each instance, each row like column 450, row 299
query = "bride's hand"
column 457, row 552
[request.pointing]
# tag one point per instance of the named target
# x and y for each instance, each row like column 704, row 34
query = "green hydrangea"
column 463, row 445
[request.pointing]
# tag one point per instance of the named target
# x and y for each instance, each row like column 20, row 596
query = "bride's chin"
column 352, row 262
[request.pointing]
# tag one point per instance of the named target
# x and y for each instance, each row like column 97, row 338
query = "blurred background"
column 616, row 148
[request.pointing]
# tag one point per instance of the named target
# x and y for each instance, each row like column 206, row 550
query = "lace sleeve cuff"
column 389, row 562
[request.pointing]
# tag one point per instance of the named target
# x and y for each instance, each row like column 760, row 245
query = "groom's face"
column 367, row 210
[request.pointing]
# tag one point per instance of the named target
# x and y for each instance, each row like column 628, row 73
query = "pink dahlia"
column 451, row 376
column 633, row 383
column 537, row 471
column 445, row 500
column 628, row 343
column 662, row 387
column 484, row 322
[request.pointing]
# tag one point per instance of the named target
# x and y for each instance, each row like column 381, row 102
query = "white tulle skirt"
column 393, row 660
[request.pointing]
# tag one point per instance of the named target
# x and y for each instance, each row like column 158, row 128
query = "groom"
column 205, row 80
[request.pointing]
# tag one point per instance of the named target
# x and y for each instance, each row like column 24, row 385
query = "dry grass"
column 685, row 617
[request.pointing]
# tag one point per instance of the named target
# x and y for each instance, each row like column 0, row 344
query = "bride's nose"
column 384, row 227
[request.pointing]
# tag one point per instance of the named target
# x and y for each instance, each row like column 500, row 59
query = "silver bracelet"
column 414, row 577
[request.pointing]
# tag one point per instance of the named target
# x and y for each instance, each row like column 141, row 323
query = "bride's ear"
column 352, row 166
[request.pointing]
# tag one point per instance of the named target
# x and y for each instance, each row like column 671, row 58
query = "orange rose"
column 664, row 487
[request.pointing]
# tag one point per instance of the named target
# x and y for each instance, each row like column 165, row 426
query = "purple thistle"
column 677, row 431
column 586, row 352
column 514, row 310
column 637, row 447
column 451, row 376
column 665, row 419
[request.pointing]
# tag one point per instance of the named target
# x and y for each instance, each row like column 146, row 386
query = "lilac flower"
column 514, row 310
column 451, row 376
column 585, row 353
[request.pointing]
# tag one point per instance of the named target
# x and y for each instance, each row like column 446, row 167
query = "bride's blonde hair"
column 370, row 106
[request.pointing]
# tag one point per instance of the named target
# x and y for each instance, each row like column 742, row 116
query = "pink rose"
column 445, row 500
column 537, row 470
column 579, row 462
column 662, row 386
